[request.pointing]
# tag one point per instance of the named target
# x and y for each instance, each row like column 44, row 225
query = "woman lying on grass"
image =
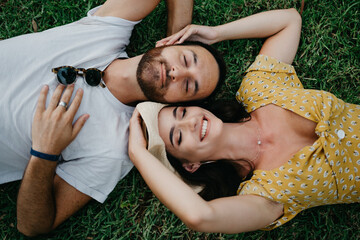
column 259, row 163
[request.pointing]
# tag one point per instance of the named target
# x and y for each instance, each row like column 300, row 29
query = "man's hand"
column 45, row 200
column 52, row 129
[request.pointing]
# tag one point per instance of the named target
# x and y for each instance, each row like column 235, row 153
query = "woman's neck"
column 241, row 141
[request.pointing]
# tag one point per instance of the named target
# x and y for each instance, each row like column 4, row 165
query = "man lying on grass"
column 57, row 183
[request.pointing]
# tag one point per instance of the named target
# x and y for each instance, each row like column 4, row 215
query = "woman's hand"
column 52, row 128
column 136, row 136
column 191, row 32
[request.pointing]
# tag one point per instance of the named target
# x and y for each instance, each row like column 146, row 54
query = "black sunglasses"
column 67, row 75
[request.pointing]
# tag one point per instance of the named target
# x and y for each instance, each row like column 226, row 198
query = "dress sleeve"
column 283, row 72
column 264, row 79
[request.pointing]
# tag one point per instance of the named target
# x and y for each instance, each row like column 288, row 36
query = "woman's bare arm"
column 281, row 28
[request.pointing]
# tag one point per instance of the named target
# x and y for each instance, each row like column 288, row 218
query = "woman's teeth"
column 203, row 129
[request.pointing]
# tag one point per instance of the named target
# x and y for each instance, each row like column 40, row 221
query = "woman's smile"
column 204, row 128
column 190, row 132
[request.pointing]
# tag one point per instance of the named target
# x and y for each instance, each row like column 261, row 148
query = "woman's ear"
column 191, row 167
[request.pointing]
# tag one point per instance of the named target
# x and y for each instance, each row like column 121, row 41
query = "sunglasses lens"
column 66, row 75
column 93, row 77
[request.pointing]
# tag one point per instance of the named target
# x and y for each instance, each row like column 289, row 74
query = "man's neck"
column 120, row 79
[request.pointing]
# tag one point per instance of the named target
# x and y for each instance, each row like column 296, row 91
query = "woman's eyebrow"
column 174, row 112
column 172, row 129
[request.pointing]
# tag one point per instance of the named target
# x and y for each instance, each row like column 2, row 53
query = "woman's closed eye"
column 183, row 113
column 180, row 112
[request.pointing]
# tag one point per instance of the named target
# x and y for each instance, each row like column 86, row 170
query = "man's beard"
column 147, row 75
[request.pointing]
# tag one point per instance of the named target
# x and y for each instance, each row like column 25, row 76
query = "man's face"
column 177, row 74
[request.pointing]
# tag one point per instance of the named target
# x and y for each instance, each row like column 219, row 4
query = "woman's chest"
column 283, row 133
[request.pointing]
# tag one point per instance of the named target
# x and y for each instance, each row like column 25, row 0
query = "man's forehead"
column 195, row 48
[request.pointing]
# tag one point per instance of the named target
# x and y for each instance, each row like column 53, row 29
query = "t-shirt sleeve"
column 94, row 177
column 110, row 19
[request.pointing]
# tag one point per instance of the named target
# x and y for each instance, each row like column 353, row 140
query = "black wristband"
column 45, row 156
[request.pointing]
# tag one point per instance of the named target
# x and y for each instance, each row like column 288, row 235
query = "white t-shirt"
column 97, row 159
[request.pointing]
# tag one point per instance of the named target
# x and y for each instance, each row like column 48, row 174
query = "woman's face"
column 190, row 133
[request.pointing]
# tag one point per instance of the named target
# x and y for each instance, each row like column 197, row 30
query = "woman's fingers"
column 179, row 35
column 136, row 136
column 187, row 35
column 173, row 38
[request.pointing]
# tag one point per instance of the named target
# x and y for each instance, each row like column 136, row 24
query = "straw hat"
column 149, row 112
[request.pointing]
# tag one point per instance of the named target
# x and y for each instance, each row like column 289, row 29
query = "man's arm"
column 179, row 11
column 133, row 10
column 179, row 15
column 45, row 200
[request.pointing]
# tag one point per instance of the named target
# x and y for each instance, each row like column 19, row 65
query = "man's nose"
column 177, row 72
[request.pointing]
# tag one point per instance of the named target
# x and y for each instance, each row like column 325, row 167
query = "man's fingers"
column 42, row 99
column 75, row 103
column 56, row 97
column 79, row 124
column 67, row 96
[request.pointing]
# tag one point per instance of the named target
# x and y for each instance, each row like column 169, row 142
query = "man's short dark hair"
column 219, row 60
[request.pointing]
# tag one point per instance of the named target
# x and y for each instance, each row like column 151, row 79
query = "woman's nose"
column 189, row 123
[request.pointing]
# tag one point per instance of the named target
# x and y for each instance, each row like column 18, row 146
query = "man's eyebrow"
column 194, row 56
column 196, row 87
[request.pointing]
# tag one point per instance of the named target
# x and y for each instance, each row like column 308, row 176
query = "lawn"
column 327, row 59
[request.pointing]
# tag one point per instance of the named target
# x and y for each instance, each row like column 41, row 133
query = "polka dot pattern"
column 326, row 172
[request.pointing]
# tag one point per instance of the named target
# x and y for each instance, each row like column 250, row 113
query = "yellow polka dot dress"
column 326, row 172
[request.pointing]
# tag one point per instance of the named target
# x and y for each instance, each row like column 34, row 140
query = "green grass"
column 327, row 59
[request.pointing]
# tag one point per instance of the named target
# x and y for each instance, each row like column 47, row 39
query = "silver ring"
column 63, row 104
